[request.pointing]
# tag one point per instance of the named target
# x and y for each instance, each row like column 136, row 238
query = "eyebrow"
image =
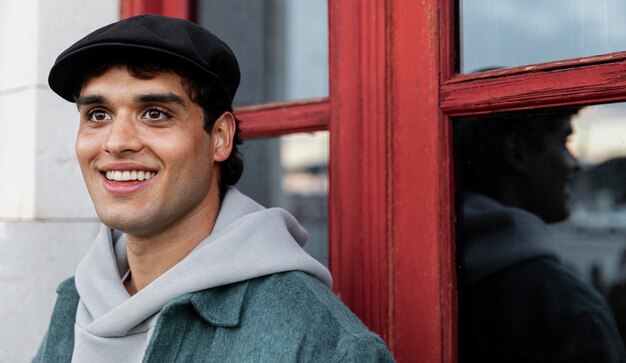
column 90, row 100
column 160, row 98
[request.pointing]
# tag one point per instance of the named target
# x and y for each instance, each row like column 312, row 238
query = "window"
column 516, row 33
column 394, row 84
column 291, row 172
column 355, row 114
column 281, row 46
column 539, row 237
column 513, row 114
column 282, row 49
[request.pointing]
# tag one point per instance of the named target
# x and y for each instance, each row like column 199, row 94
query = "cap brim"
column 66, row 75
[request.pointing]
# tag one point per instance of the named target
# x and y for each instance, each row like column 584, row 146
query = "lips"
column 125, row 179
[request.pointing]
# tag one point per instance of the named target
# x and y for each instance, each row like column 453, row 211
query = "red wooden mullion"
column 574, row 81
column 281, row 118
column 359, row 215
column 424, row 313
column 448, row 61
column 176, row 8
column 173, row 8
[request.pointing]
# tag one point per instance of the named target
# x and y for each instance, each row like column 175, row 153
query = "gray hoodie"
column 247, row 241
column 496, row 237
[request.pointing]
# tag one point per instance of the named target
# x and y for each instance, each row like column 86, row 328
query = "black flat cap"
column 151, row 37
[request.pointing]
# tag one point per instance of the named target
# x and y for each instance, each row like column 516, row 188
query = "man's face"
column 549, row 175
column 146, row 159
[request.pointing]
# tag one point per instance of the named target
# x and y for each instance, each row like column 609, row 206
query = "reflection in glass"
column 281, row 46
column 496, row 33
column 536, row 253
column 592, row 242
column 291, row 172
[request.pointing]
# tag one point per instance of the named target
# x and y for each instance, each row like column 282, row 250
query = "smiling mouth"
column 129, row 175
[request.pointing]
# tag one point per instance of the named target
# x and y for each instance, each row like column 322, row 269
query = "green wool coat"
column 284, row 317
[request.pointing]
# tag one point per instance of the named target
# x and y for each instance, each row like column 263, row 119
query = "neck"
column 502, row 188
column 151, row 256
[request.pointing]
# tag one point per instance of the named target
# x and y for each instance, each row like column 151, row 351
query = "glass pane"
column 292, row 172
column 281, row 46
column 542, row 235
column 496, row 33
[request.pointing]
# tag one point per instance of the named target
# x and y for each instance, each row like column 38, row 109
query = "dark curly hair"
column 206, row 93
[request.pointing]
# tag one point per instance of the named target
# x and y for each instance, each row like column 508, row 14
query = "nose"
column 122, row 137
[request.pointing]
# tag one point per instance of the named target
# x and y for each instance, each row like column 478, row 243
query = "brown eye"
column 99, row 115
column 155, row 114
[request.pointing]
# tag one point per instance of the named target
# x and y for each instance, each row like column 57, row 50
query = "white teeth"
column 129, row 175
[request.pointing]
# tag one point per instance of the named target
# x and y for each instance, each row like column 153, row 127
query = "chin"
column 123, row 223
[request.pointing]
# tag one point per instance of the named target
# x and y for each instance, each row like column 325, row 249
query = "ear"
column 516, row 153
column 223, row 133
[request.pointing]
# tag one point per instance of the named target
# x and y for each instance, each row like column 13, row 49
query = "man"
column 517, row 302
column 185, row 267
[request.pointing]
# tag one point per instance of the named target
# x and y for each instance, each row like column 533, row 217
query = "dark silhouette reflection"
column 617, row 295
column 517, row 301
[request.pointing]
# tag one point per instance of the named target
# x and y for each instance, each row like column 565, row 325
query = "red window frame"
column 389, row 254
column 393, row 91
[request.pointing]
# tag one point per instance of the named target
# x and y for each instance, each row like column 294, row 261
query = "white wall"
column 47, row 221
column 18, row 65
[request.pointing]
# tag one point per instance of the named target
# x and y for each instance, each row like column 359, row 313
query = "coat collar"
column 219, row 306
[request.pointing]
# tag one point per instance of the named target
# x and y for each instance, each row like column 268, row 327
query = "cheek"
column 84, row 149
column 199, row 146
column 190, row 156
column 199, row 161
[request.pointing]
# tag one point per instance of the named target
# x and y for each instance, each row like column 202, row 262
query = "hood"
column 495, row 237
column 247, row 241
